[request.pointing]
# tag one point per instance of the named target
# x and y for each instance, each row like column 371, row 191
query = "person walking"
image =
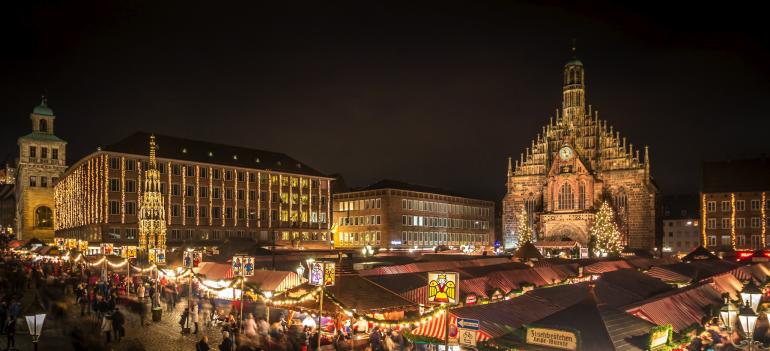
column 194, row 316
column 250, row 326
column 203, row 345
column 117, row 324
column 10, row 332
column 183, row 320
column 227, row 343
column 140, row 292
column 107, row 327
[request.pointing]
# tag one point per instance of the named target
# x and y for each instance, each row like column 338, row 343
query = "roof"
column 736, row 176
column 626, row 331
column 7, row 191
column 527, row 252
column 399, row 185
column 43, row 108
column 574, row 62
column 359, row 293
column 681, row 308
column 680, row 206
column 625, row 286
column 699, row 253
column 170, row 147
column 42, row 137
column 585, row 318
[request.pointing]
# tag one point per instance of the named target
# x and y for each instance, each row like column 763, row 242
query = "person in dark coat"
column 10, row 332
column 227, row 343
column 203, row 345
column 117, row 324
column 183, row 319
column 375, row 339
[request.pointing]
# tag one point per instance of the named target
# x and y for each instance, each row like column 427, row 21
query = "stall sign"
column 59, row 242
column 107, row 249
column 192, row 258
column 322, row 274
column 82, row 246
column 660, row 337
column 471, row 299
column 467, row 337
column 243, row 266
column 129, row 252
column 71, row 243
column 443, row 287
column 157, row 256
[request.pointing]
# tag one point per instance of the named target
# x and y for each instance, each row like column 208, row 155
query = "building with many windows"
column 42, row 157
column 734, row 203
column 212, row 192
column 576, row 163
column 680, row 223
column 393, row 214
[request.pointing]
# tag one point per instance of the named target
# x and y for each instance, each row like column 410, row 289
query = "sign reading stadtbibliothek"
column 556, row 338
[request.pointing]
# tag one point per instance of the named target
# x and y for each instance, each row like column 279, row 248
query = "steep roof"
column 528, row 251
column 736, row 175
column 206, row 152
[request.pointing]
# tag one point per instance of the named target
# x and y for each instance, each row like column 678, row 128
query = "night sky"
column 434, row 93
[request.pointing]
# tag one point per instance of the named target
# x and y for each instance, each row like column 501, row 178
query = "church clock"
column 566, row 153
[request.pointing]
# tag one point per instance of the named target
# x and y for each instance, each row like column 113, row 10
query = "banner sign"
column 559, row 339
column 71, row 243
column 59, row 242
column 243, row 266
column 467, row 323
column 660, row 337
column 192, row 258
column 129, row 252
column 82, row 246
column 322, row 273
column 107, row 249
column 157, row 256
column 443, row 287
column 467, row 337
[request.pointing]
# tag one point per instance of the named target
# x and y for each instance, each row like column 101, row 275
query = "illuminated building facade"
column 152, row 222
column 734, row 203
column 392, row 214
column 577, row 162
column 211, row 193
column 680, row 223
column 42, row 160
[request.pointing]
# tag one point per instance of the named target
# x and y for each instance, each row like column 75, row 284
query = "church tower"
column 152, row 222
column 573, row 95
column 42, row 160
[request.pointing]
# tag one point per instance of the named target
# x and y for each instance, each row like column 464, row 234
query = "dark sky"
column 436, row 93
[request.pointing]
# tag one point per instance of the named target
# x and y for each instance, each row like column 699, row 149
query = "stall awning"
column 436, row 328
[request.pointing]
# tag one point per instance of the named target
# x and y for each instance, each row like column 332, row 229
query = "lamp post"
column 748, row 319
column 35, row 318
column 752, row 295
column 729, row 313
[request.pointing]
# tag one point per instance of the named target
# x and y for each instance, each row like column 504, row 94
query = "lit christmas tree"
column 524, row 231
column 605, row 234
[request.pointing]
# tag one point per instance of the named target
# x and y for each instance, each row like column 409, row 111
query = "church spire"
column 573, row 102
column 510, row 168
column 153, row 164
column 647, row 160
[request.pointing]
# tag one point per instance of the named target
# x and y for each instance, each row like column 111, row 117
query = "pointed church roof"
column 528, row 252
column 700, row 253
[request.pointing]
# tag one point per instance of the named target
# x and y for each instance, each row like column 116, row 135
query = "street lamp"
column 752, row 295
column 729, row 313
column 300, row 270
column 35, row 325
column 748, row 319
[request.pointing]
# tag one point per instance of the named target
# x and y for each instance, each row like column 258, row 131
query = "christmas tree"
column 524, row 231
column 604, row 233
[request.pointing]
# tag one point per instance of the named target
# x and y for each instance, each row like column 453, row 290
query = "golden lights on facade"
column 732, row 220
column 152, row 224
column 703, row 222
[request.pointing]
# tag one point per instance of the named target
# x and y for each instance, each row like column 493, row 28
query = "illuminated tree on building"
column 605, row 234
column 524, row 230
column 152, row 222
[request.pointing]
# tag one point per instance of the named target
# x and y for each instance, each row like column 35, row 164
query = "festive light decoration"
column 524, row 231
column 152, row 224
column 703, row 211
column 763, row 208
column 605, row 232
column 732, row 220
column 123, row 190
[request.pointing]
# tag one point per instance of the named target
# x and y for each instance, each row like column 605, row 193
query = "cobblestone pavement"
column 163, row 335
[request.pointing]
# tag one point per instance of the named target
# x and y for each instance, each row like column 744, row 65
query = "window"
column 241, row 176
column 712, row 240
column 204, row 192
column 114, row 163
column 43, row 152
column 581, row 198
column 725, row 206
column 176, row 169
column 33, row 152
column 566, row 198
column 740, row 240
column 114, row 185
column 740, row 222
column 755, row 242
column 216, row 192
column 131, row 233
column 252, row 195
column 228, row 175
column 216, row 173
column 114, row 207
column 190, row 171
column 203, row 172
column 725, row 223
column 216, row 212
column 241, row 192
column 712, row 206
column 130, row 186
column 712, row 223
column 228, row 194
column 190, row 191
column 43, row 182
column 175, row 210
column 203, row 212
column 130, row 165
column 43, row 217
column 229, row 213
column 756, row 222
column 725, row 240
column 241, row 213
column 161, row 168
column 32, row 181
column 740, row 205
column 176, row 189
column 755, row 205
column 252, row 177
column 130, row 208
column 189, row 211
column 54, row 154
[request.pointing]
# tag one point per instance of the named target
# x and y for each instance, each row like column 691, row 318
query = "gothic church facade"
column 577, row 162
